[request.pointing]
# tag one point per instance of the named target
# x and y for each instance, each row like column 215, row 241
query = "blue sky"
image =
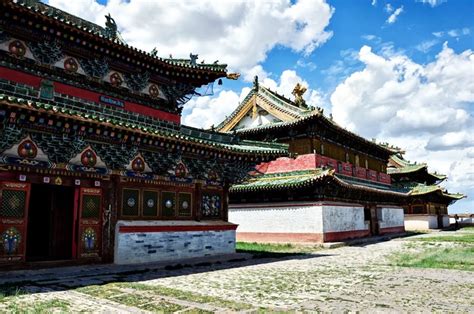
column 398, row 71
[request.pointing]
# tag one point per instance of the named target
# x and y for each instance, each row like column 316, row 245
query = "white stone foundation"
column 157, row 241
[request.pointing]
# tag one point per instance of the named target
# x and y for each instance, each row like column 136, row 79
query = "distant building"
column 94, row 163
column 427, row 206
column 336, row 188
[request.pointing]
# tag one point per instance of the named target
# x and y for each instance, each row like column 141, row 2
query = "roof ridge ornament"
column 110, row 27
column 298, row 92
column 255, row 83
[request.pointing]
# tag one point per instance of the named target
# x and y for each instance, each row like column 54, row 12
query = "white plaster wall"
column 391, row 217
column 445, row 221
column 462, row 220
column 421, row 222
column 272, row 218
column 343, row 218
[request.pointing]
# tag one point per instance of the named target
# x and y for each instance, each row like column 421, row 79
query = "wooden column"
column 225, row 202
column 197, row 203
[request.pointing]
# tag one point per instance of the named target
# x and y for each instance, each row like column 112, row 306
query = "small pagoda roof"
column 424, row 190
column 139, row 124
column 400, row 166
column 91, row 29
column 305, row 178
column 278, row 105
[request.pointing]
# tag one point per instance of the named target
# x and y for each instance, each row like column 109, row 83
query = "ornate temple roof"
column 137, row 124
column 279, row 106
column 398, row 166
column 306, row 178
column 109, row 34
column 288, row 114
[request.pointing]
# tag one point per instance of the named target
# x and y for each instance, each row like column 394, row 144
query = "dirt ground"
column 352, row 278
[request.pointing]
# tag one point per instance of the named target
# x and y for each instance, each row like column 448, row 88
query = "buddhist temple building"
column 95, row 165
column 427, row 206
column 334, row 186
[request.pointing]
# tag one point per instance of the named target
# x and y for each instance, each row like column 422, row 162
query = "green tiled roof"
column 301, row 179
column 423, row 189
column 186, row 134
column 279, row 181
column 405, row 167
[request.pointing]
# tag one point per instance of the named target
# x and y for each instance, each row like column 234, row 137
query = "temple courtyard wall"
column 309, row 221
column 425, row 222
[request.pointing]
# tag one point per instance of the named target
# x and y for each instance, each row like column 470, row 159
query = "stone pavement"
column 351, row 278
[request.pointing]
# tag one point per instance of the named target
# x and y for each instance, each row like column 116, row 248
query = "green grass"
column 461, row 238
column 461, row 258
column 274, row 250
column 49, row 306
column 467, row 229
column 115, row 293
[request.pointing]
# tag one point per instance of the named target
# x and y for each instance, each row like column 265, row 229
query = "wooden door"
column 89, row 223
column 374, row 221
column 14, row 200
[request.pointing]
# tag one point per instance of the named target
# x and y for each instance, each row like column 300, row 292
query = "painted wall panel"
column 343, row 218
column 391, row 217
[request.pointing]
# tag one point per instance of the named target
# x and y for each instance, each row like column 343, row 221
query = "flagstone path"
column 352, row 278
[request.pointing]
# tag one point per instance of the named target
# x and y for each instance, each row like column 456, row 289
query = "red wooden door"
column 90, row 223
column 14, row 199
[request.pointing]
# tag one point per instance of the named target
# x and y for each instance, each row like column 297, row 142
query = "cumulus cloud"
column 207, row 111
column 393, row 17
column 239, row 33
column 420, row 107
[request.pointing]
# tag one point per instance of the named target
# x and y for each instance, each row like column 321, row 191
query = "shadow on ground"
column 72, row 277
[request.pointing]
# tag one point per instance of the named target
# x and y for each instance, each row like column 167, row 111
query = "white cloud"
column 419, row 107
column 432, row 3
column 393, row 18
column 388, row 8
column 311, row 66
column 457, row 32
column 239, row 33
column 426, row 45
column 207, row 111
column 374, row 3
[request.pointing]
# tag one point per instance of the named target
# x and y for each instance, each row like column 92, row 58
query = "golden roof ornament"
column 233, row 76
column 298, row 92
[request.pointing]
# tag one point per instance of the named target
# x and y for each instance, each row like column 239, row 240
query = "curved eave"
column 311, row 180
column 218, row 70
column 246, row 148
column 314, row 115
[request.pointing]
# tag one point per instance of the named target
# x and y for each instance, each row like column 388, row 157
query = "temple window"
column 184, row 204
column 150, row 203
column 322, row 149
column 357, row 160
column 130, row 202
column 168, row 206
column 347, row 157
column 366, row 163
column 211, row 205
